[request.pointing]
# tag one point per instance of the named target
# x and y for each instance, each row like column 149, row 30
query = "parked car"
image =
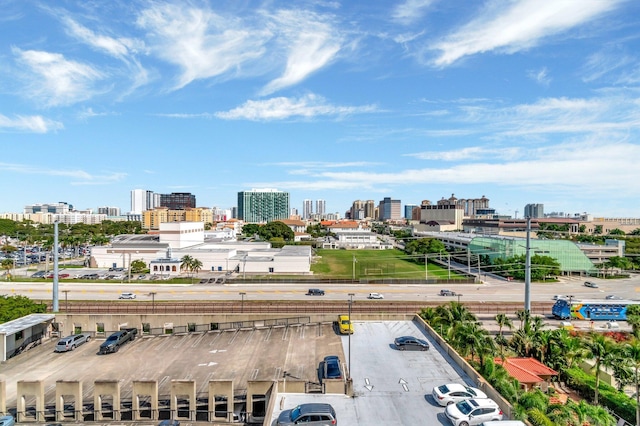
column 127, row 295
column 312, row 414
column 315, row 292
column 375, row 296
column 169, row 422
column 473, row 412
column 452, row 393
column 69, row 343
column 590, row 284
column 117, row 339
column 445, row 292
column 344, row 324
column 330, row 368
column 7, row 421
column 410, row 343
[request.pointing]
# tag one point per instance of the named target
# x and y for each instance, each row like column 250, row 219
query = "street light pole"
column 459, row 296
column 153, row 302
column 349, row 334
column 66, row 300
column 242, row 294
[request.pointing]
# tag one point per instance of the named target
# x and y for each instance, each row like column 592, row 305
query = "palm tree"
column 7, row 265
column 185, row 262
column 503, row 321
column 523, row 316
column 599, row 348
column 632, row 352
column 195, row 266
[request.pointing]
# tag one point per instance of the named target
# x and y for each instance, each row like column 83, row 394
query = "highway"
column 491, row 290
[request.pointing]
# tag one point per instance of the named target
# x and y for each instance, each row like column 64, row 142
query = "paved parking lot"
column 391, row 387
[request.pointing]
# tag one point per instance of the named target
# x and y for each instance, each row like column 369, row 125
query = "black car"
column 315, row 292
column 410, row 343
column 445, row 292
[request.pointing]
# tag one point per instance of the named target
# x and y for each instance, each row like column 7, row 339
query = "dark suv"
column 315, row 292
column 314, row 414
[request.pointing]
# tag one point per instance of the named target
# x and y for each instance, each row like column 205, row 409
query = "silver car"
column 312, row 414
column 69, row 343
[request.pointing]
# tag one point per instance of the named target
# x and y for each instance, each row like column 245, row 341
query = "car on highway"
column 311, row 414
column 590, row 284
column 473, row 412
column 375, row 296
column 445, row 292
column 613, row 297
column 69, row 343
column 315, row 292
column 452, row 393
column 410, row 343
column 330, row 368
column 127, row 295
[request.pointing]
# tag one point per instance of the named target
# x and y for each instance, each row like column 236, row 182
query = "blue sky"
column 529, row 101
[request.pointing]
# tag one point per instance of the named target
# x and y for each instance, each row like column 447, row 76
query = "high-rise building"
column 142, row 199
column 357, row 210
column 57, row 208
column 307, row 209
column 321, row 207
column 178, row 201
column 109, row 211
column 408, row 210
column 389, row 209
column 534, row 210
column 470, row 206
column 263, row 205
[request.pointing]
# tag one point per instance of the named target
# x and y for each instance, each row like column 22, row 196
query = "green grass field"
column 374, row 264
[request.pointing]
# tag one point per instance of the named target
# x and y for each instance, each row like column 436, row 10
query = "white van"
column 503, row 423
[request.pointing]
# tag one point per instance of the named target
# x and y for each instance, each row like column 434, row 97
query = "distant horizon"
column 520, row 100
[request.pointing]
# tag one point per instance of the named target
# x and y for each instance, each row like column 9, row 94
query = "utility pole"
column 55, row 307
column 349, row 334
column 527, row 270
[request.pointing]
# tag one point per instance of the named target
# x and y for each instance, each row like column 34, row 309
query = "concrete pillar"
column 144, row 388
column 183, row 388
column 223, row 388
column 73, row 388
column 3, row 398
column 103, row 388
column 27, row 388
column 255, row 390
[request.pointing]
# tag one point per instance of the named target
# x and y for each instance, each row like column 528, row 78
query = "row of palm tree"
column 557, row 348
column 190, row 264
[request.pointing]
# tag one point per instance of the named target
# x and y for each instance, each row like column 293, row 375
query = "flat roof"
column 24, row 323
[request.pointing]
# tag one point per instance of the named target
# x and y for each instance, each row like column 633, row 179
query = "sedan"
column 613, row 297
column 410, row 343
column 455, row 392
column 590, row 284
column 127, row 296
column 331, row 368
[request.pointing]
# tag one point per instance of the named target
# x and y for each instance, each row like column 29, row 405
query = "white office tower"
column 307, row 209
column 142, row 200
column 321, row 208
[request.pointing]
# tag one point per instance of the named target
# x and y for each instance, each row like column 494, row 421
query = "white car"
column 473, row 412
column 455, row 392
column 375, row 296
column 127, row 296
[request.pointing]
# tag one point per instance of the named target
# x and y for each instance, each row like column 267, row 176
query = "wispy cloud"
column 54, row 80
column 515, row 26
column 311, row 43
column 540, row 76
column 603, row 64
column 469, row 153
column 200, row 42
column 410, row 11
column 81, row 177
column 281, row 108
column 30, row 124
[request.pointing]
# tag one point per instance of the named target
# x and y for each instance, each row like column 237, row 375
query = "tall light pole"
column 242, row 294
column 349, row 334
column 56, row 306
column 527, row 269
column 459, row 296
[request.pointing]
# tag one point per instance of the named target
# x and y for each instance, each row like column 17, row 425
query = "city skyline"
column 526, row 102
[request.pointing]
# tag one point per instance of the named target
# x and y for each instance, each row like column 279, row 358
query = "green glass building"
column 263, row 205
column 567, row 253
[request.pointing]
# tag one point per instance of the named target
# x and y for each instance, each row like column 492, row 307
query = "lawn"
column 363, row 264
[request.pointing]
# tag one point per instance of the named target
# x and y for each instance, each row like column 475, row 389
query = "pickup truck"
column 117, row 339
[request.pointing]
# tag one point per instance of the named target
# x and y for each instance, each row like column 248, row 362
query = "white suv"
column 473, row 412
column 127, row 296
column 375, row 296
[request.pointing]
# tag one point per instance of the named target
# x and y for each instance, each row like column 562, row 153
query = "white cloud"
column 469, row 153
column 410, row 11
column 200, row 42
column 31, row 124
column 83, row 177
column 54, row 80
column 603, row 64
column 280, row 108
column 513, row 26
column 541, row 76
column 311, row 43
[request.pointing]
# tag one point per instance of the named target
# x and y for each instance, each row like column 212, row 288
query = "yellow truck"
column 344, row 324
